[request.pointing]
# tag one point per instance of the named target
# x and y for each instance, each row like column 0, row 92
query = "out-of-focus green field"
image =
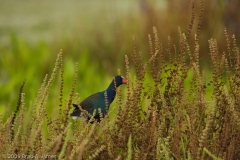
column 32, row 34
column 95, row 34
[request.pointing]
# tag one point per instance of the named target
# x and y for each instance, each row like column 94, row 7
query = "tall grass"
column 99, row 46
column 164, row 113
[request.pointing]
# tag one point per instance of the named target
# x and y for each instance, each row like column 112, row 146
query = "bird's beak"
column 124, row 81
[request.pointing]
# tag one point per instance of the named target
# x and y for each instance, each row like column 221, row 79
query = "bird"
column 86, row 108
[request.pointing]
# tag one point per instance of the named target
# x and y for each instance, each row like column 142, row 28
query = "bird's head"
column 119, row 80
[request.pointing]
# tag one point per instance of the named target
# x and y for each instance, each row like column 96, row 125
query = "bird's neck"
column 111, row 92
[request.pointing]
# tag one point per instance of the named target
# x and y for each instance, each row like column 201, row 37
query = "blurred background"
column 97, row 35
